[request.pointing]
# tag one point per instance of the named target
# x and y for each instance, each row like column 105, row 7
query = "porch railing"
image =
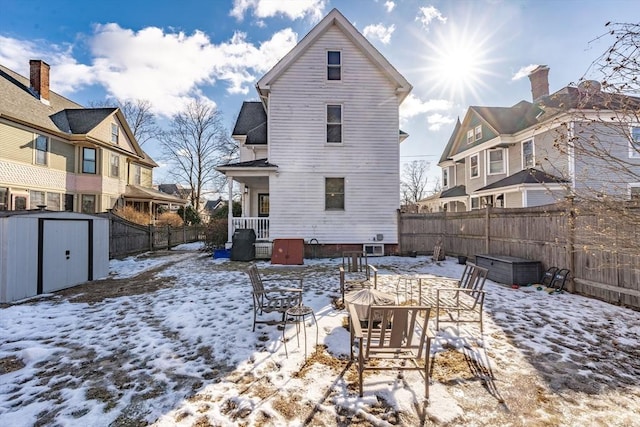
column 259, row 224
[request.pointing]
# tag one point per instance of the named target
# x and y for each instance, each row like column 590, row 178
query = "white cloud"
column 293, row 9
column 67, row 75
column 428, row 14
column 413, row 106
column 389, row 5
column 437, row 120
column 129, row 65
column 524, row 72
column 380, row 32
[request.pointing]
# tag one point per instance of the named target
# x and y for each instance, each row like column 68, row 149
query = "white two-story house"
column 319, row 151
column 576, row 141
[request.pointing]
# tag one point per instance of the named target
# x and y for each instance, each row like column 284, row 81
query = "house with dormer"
column 56, row 154
column 319, row 151
column 540, row 152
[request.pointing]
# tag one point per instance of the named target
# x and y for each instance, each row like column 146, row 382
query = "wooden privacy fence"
column 601, row 252
column 126, row 237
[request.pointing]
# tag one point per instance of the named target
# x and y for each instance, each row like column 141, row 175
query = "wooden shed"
column 44, row 251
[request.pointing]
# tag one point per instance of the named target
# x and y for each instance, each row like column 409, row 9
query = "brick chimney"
column 39, row 78
column 539, row 82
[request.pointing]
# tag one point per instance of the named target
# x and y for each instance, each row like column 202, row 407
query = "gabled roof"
column 335, row 18
column 509, row 120
column 452, row 140
column 252, row 123
column 527, row 176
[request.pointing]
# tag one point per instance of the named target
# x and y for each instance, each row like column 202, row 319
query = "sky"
column 454, row 53
column 175, row 347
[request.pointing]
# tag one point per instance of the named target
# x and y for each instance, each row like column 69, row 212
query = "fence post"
column 150, row 237
column 571, row 231
column 168, row 237
column 487, row 229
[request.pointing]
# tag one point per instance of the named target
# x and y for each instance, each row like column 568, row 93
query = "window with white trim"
column 496, row 161
column 334, row 65
column 634, row 143
column 478, row 132
column 634, row 191
column 475, row 203
column 115, row 133
column 445, row 177
column 334, row 123
column 115, row 166
column 36, row 199
column 42, row 147
column 334, row 194
column 470, row 136
column 528, row 160
column 474, row 166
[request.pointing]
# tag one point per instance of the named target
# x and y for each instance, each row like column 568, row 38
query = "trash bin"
column 242, row 248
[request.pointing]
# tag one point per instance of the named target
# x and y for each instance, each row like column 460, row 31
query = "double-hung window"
column 445, row 178
column 334, row 194
column 474, row 166
column 88, row 203
column 334, row 123
column 42, row 147
column 115, row 133
column 634, row 146
column 115, row 165
column 89, row 160
column 470, row 136
column 528, row 160
column 496, row 161
column 334, row 65
column 136, row 175
column 478, row 132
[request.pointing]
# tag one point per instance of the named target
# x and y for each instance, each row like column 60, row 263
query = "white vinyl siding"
column 368, row 160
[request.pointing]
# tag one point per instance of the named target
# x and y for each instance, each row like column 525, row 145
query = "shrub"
column 216, row 234
column 130, row 214
column 169, row 218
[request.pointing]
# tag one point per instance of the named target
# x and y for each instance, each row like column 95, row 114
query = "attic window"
column 334, row 65
column 115, row 133
column 478, row 132
column 469, row 136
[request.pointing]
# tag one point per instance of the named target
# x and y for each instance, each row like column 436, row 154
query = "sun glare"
column 456, row 63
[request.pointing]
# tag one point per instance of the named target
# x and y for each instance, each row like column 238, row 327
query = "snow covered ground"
column 167, row 340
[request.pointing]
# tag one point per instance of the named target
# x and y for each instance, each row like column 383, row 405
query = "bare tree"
column 195, row 143
column 139, row 116
column 414, row 181
column 601, row 134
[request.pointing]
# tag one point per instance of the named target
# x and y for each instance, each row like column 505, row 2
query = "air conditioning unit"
column 375, row 249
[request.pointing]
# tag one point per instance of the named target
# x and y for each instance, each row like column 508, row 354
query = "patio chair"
column 273, row 299
column 559, row 280
column 399, row 340
column 548, row 276
column 355, row 272
column 465, row 303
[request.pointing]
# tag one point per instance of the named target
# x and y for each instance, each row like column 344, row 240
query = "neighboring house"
column 319, row 153
column 176, row 190
column 58, row 154
column 538, row 153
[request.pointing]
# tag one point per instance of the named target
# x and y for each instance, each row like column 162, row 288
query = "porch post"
column 230, row 214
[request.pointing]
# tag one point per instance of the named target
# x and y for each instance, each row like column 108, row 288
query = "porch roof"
column 457, row 191
column 258, row 163
column 527, row 176
column 137, row 193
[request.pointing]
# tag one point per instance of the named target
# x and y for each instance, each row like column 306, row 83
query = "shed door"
column 65, row 254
